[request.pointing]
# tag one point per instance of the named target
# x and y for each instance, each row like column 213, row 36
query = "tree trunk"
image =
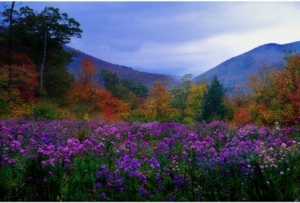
column 10, row 51
column 44, row 58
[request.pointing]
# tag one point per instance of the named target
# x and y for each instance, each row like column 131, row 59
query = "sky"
column 176, row 38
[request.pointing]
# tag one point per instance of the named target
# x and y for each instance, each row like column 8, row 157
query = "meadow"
column 94, row 160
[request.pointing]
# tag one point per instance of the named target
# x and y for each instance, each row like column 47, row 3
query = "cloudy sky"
column 177, row 37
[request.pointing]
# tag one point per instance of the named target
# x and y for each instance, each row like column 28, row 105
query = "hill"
column 234, row 72
column 123, row 72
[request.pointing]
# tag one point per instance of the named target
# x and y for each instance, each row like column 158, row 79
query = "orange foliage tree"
column 277, row 100
column 157, row 104
column 18, row 83
column 241, row 116
column 88, row 99
column 83, row 94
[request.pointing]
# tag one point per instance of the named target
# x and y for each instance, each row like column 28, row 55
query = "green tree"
column 42, row 36
column 110, row 81
column 213, row 105
column 138, row 88
column 121, row 88
column 180, row 97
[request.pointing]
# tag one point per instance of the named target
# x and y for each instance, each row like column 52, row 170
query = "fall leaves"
column 275, row 97
column 94, row 101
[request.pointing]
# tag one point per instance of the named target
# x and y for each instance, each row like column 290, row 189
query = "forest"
column 91, row 136
column 35, row 83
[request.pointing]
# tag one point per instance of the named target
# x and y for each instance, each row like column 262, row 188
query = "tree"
column 126, row 90
column 260, row 81
column 180, row 97
column 213, row 104
column 22, row 76
column 277, row 100
column 89, row 99
column 111, row 107
column 241, row 116
column 157, row 104
column 197, row 92
column 41, row 35
column 110, row 80
column 84, row 89
column 137, row 88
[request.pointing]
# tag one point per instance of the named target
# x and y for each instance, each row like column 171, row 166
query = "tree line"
column 35, row 82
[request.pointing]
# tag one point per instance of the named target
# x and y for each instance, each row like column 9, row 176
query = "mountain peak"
column 234, row 72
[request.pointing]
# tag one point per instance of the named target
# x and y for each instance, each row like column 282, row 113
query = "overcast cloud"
column 178, row 37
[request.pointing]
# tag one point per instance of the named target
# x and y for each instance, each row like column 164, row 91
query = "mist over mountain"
column 123, row 72
column 234, row 72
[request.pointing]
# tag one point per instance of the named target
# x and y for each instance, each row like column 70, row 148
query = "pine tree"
column 213, row 105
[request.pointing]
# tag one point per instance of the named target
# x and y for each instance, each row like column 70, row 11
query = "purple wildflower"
column 154, row 163
column 87, row 143
column 15, row 145
column 143, row 191
column 11, row 161
column 103, row 195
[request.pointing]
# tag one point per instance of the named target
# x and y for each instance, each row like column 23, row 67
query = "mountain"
column 234, row 72
column 123, row 72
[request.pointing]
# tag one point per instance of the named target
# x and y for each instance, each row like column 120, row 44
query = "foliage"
column 156, row 106
column 137, row 88
column 197, row 92
column 213, row 105
column 125, row 90
column 276, row 94
column 242, row 117
column 180, row 98
column 41, row 37
column 45, row 109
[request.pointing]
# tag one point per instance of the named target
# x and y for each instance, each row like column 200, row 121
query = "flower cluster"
column 153, row 160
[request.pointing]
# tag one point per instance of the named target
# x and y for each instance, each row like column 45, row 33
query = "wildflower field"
column 100, row 161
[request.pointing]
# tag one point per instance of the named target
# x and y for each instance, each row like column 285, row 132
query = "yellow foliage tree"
column 195, row 103
column 276, row 94
column 157, row 104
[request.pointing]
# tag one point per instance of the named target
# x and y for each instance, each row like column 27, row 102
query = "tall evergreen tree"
column 213, row 105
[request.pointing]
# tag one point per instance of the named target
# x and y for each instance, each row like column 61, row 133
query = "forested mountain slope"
column 123, row 72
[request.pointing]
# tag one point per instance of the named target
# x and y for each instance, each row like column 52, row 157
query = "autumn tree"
column 286, row 88
column 277, row 100
column 293, row 69
column 197, row 92
column 85, row 87
column 22, row 76
column 89, row 100
column 111, row 107
column 241, row 116
column 157, row 104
